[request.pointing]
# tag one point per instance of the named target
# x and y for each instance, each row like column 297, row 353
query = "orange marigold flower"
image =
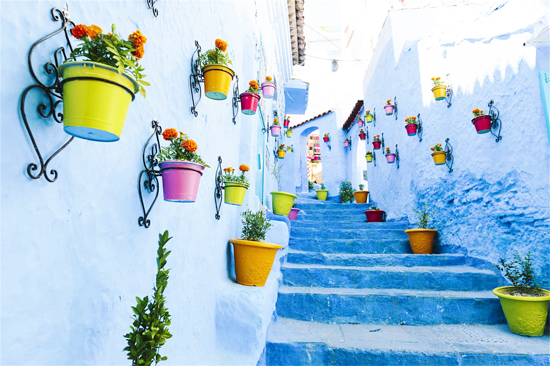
column 431, row 148
column 170, row 133
column 228, row 169
column 437, row 78
column 93, row 31
column 137, row 38
column 413, row 117
column 368, row 111
column 222, row 45
column 189, row 145
column 253, row 84
column 244, row 168
column 79, row 31
column 268, row 78
column 433, row 78
column 139, row 52
column 389, row 100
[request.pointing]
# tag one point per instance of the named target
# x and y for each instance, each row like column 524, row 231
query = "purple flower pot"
column 268, row 90
column 360, row 123
column 388, row 109
column 180, row 180
column 293, row 214
column 390, row 158
column 275, row 130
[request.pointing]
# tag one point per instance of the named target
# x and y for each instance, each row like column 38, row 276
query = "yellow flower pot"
column 217, row 80
column 322, row 194
column 234, row 193
column 96, row 98
column 361, row 196
column 525, row 315
column 369, row 158
column 421, row 240
column 253, row 261
column 439, row 157
column 440, row 92
column 282, row 202
column 288, row 133
column 281, row 154
column 368, row 117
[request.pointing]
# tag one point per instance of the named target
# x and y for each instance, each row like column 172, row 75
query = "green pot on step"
column 322, row 194
column 282, row 202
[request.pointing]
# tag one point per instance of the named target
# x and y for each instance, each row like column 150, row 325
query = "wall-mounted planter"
column 286, row 123
column 249, row 103
column 390, row 158
column 369, row 118
column 482, row 124
column 376, row 144
column 360, row 123
column 362, row 136
column 375, row 215
column 443, row 156
column 234, row 193
column 388, row 109
column 96, row 98
column 217, row 81
column 322, row 194
column 289, row 133
column 368, row 157
column 411, row 129
column 439, row 157
column 293, row 214
column 361, row 196
column 281, row 153
column 326, row 139
column 275, row 130
column 253, row 261
column 282, row 202
column 268, row 90
column 180, row 180
column 421, row 240
column 346, row 143
column 440, row 92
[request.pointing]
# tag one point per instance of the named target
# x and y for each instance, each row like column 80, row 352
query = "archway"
column 310, row 166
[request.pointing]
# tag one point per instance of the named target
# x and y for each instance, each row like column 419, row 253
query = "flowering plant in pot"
column 375, row 214
column 286, row 122
column 275, row 128
column 250, row 98
column 362, row 134
column 438, row 154
column 390, row 157
column 360, row 122
column 439, row 90
column 368, row 116
column 482, row 122
column 322, row 193
column 346, row 142
column 388, row 108
column 181, row 167
column 421, row 238
column 281, row 151
column 525, row 304
column 268, row 88
column 253, row 257
column 368, row 156
column 293, row 214
column 346, row 192
column 289, row 132
column 361, row 195
column 411, row 125
column 326, row 137
column 376, row 142
column 98, row 89
column 235, row 186
column 214, row 64
column 310, row 185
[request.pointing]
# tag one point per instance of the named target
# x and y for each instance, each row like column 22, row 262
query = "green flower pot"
column 234, row 193
column 525, row 315
column 282, row 202
column 322, row 194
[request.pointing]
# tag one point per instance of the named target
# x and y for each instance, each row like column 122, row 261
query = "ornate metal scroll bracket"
column 395, row 110
column 151, row 5
column 195, row 79
column 420, row 129
column 149, row 173
column 449, row 157
column 236, row 99
column 374, row 157
column 219, row 188
column 496, row 123
column 449, row 92
column 397, row 156
column 53, row 92
column 374, row 117
column 383, row 144
column 367, row 128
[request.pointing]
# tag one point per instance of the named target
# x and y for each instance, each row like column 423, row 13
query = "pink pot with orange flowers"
column 249, row 103
column 411, row 129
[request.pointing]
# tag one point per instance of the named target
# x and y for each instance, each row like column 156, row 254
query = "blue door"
column 544, row 78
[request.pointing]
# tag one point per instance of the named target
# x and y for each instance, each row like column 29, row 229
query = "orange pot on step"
column 421, row 240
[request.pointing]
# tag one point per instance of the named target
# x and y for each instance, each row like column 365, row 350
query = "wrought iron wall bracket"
column 218, row 191
column 53, row 92
column 496, row 123
column 383, row 144
column 374, row 157
column 395, row 110
column 397, row 156
column 367, row 128
column 449, row 92
column 420, row 129
column 236, row 99
column 374, row 117
column 151, row 5
column 147, row 180
column 449, row 157
column 195, row 79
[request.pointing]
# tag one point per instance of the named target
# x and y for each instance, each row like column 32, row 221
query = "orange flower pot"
column 421, row 240
column 361, row 196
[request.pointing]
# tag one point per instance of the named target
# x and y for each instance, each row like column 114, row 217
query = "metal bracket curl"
column 395, row 110
column 449, row 157
column 374, row 117
column 496, row 123
column 219, row 188
column 397, row 156
column 151, row 5
column 374, row 157
column 449, row 92
column 150, row 172
column 420, row 129
column 367, row 128
column 383, row 144
column 236, row 99
column 195, row 79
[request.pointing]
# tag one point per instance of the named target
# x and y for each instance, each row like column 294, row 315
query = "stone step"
column 388, row 306
column 323, row 233
column 355, row 224
column 371, row 260
column 292, row 342
column 453, row 278
column 331, row 217
column 352, row 246
column 326, row 206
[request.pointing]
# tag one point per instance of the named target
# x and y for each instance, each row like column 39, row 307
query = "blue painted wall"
column 73, row 255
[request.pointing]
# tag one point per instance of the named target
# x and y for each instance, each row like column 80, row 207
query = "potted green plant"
column 235, row 186
column 346, row 192
column 525, row 304
column 439, row 155
column 361, row 195
column 310, row 185
column 375, row 214
column 422, row 239
column 181, row 167
column 322, row 193
column 482, row 122
column 253, row 257
column 98, row 89
column 214, row 64
column 151, row 317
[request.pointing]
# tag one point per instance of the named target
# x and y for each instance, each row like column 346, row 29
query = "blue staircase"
column 354, row 294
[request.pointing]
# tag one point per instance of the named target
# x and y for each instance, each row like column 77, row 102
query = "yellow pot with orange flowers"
column 97, row 90
column 250, row 98
column 268, row 88
column 281, row 152
column 369, row 117
column 439, row 89
column 235, row 186
column 438, row 154
column 215, row 69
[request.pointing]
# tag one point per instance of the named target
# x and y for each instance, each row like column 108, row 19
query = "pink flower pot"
column 411, row 129
column 346, row 143
column 325, row 139
column 362, row 136
column 374, row 215
column 482, row 124
column 268, row 90
column 275, row 130
column 376, row 145
column 360, row 123
column 286, row 123
column 180, row 180
column 390, row 158
column 388, row 109
column 249, row 103
column 293, row 214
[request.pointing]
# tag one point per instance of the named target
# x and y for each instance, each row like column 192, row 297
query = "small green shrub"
column 346, row 192
column 310, row 184
column 361, row 186
column 255, row 226
column 520, row 272
column 323, row 186
column 423, row 215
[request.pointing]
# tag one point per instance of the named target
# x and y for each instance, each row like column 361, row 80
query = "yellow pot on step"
column 253, row 261
column 421, row 240
column 217, row 81
column 322, row 194
column 282, row 202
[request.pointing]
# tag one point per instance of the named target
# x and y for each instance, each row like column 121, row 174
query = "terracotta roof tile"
column 354, row 112
column 311, row 119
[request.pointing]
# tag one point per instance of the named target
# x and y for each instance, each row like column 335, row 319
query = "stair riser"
column 396, row 260
column 355, row 278
column 314, row 233
column 335, row 207
column 352, row 246
column 353, row 225
column 331, row 219
column 388, row 309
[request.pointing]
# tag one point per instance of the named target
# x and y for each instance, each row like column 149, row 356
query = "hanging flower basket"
column 293, row 214
column 286, row 122
column 253, row 261
column 249, row 103
column 411, row 129
column 282, row 202
column 234, row 193
column 275, row 130
column 281, row 153
column 268, row 88
column 362, row 134
column 368, row 156
column 326, row 137
column 376, row 142
column 360, row 122
column 289, row 133
column 180, row 180
column 439, row 155
column 217, row 81
column 346, row 143
column 390, row 158
column 369, row 117
column 482, row 122
column 388, row 108
column 374, row 215
column 439, row 90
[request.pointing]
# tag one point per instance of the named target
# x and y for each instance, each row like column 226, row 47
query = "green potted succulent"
column 346, row 192
column 422, row 239
column 525, row 304
column 151, row 317
column 361, row 195
column 322, row 193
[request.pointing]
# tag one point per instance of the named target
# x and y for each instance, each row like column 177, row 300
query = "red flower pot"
column 362, row 136
column 249, row 103
column 376, row 145
column 482, row 124
column 286, row 123
column 375, row 215
column 325, row 139
column 411, row 129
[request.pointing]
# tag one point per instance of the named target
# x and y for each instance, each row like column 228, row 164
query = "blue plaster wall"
column 73, row 256
column 496, row 201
